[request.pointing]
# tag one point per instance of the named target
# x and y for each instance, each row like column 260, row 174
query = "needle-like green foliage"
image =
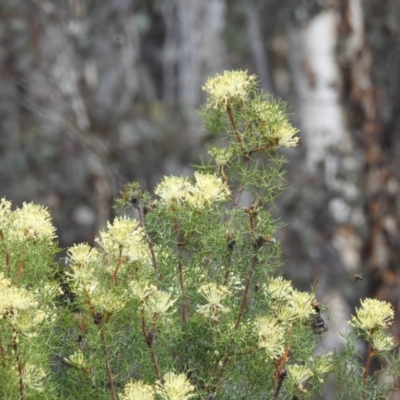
column 180, row 298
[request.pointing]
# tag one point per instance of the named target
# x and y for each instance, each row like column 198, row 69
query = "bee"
column 260, row 241
column 151, row 207
column 319, row 322
column 98, row 318
column 231, row 244
column 134, row 201
column 356, row 277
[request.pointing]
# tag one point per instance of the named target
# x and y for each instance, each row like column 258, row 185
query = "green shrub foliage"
column 180, row 297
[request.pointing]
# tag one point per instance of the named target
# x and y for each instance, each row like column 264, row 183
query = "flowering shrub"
column 180, row 298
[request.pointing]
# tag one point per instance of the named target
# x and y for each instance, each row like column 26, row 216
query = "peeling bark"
column 382, row 186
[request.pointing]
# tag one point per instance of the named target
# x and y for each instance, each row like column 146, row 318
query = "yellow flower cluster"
column 214, row 295
column 30, row 222
column 381, row 341
column 20, row 308
column 273, row 124
column 207, row 190
column 172, row 190
column 221, row 155
column 298, row 374
column 82, row 255
column 229, row 87
column 124, row 238
column 76, row 359
column 137, row 391
column 373, row 315
column 34, row 377
column 288, row 304
column 322, row 365
column 279, row 289
column 160, row 302
column 155, row 301
column 175, row 387
column 271, row 336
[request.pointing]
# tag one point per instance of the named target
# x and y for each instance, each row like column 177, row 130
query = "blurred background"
column 98, row 93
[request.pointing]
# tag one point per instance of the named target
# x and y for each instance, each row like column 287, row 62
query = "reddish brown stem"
column 109, row 372
column 144, row 331
column 252, row 225
column 149, row 344
column 115, row 273
column 226, row 277
column 233, row 122
column 280, row 371
column 19, row 365
column 279, row 386
column 265, row 147
column 2, row 352
column 20, row 269
column 185, row 310
column 370, row 354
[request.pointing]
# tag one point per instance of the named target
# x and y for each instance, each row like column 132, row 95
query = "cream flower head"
column 301, row 305
column 83, row 279
column 34, row 377
column 221, row 155
column 214, row 294
column 31, row 221
column 107, row 302
column 299, row 374
column 372, row 315
column 159, row 302
column 322, row 365
column 82, row 254
column 137, row 391
column 285, row 134
column 229, row 87
column 279, row 289
column 175, row 387
column 271, row 336
column 124, row 238
column 173, row 190
column 141, row 289
column 13, row 298
column 381, row 341
column 76, row 359
column 208, row 189
column 274, row 125
column 21, row 309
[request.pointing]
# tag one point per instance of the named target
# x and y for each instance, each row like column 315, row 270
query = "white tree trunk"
column 317, row 82
column 330, row 157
